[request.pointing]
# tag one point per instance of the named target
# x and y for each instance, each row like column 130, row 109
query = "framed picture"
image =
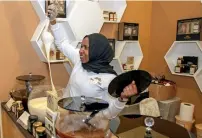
column 61, row 5
column 128, row 31
column 189, row 29
column 112, row 44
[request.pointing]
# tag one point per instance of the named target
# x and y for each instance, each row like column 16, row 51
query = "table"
column 135, row 128
column 11, row 129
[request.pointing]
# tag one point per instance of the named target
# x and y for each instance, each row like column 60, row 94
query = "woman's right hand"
column 52, row 12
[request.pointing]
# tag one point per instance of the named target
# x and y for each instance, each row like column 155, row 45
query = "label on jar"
column 192, row 71
column 179, row 61
column 177, row 69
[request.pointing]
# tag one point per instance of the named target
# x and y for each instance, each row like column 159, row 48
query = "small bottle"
column 19, row 111
column 41, row 132
column 18, row 105
column 178, row 69
column 192, row 69
column 14, row 106
column 115, row 16
column 179, row 61
column 31, row 120
column 148, row 133
column 59, row 55
column 35, row 125
column 111, row 17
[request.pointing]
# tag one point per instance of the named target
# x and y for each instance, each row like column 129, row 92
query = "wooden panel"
column 9, row 128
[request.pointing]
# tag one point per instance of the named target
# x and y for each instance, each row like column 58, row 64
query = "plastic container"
column 186, row 124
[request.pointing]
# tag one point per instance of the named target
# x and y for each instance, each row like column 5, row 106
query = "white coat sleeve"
column 63, row 44
column 115, row 107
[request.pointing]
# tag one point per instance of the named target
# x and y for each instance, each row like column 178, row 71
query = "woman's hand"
column 129, row 91
column 52, row 12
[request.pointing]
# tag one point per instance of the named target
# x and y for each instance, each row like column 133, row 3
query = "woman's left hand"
column 129, row 90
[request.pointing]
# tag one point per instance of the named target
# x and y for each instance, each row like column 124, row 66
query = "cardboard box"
column 161, row 92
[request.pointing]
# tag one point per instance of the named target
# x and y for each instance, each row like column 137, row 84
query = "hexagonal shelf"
column 198, row 78
column 180, row 49
column 38, row 44
column 113, row 6
column 85, row 18
column 123, row 49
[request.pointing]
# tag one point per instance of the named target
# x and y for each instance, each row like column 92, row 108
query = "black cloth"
column 100, row 54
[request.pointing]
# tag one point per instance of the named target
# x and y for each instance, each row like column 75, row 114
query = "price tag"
column 52, row 101
column 9, row 104
column 22, row 120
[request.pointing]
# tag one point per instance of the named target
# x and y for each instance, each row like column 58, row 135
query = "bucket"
column 199, row 130
column 186, row 124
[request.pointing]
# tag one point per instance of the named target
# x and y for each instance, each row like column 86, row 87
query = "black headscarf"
column 100, row 54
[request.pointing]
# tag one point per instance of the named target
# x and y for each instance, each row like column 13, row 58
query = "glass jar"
column 37, row 101
column 41, row 132
column 19, row 111
column 193, row 69
column 177, row 69
column 35, row 125
column 31, row 120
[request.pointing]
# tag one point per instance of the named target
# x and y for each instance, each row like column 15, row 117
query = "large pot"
column 70, row 122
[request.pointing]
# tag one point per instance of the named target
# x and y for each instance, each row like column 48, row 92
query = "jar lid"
column 33, row 117
column 20, row 108
column 40, row 129
column 19, row 102
column 37, row 124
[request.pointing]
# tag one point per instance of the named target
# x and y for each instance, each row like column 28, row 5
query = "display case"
column 128, row 31
column 112, row 10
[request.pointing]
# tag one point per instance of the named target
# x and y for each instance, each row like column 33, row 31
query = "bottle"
column 59, row 55
column 192, row 69
column 31, row 120
column 179, row 61
column 41, row 132
column 19, row 111
column 148, row 133
column 177, row 69
column 35, row 125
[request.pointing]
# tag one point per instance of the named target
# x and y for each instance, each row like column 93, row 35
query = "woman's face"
column 84, row 50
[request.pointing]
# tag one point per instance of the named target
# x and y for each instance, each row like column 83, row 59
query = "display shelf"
column 38, row 45
column 123, row 49
column 180, row 49
column 113, row 6
column 198, row 78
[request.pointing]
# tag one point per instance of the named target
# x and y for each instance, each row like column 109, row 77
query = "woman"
column 92, row 72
